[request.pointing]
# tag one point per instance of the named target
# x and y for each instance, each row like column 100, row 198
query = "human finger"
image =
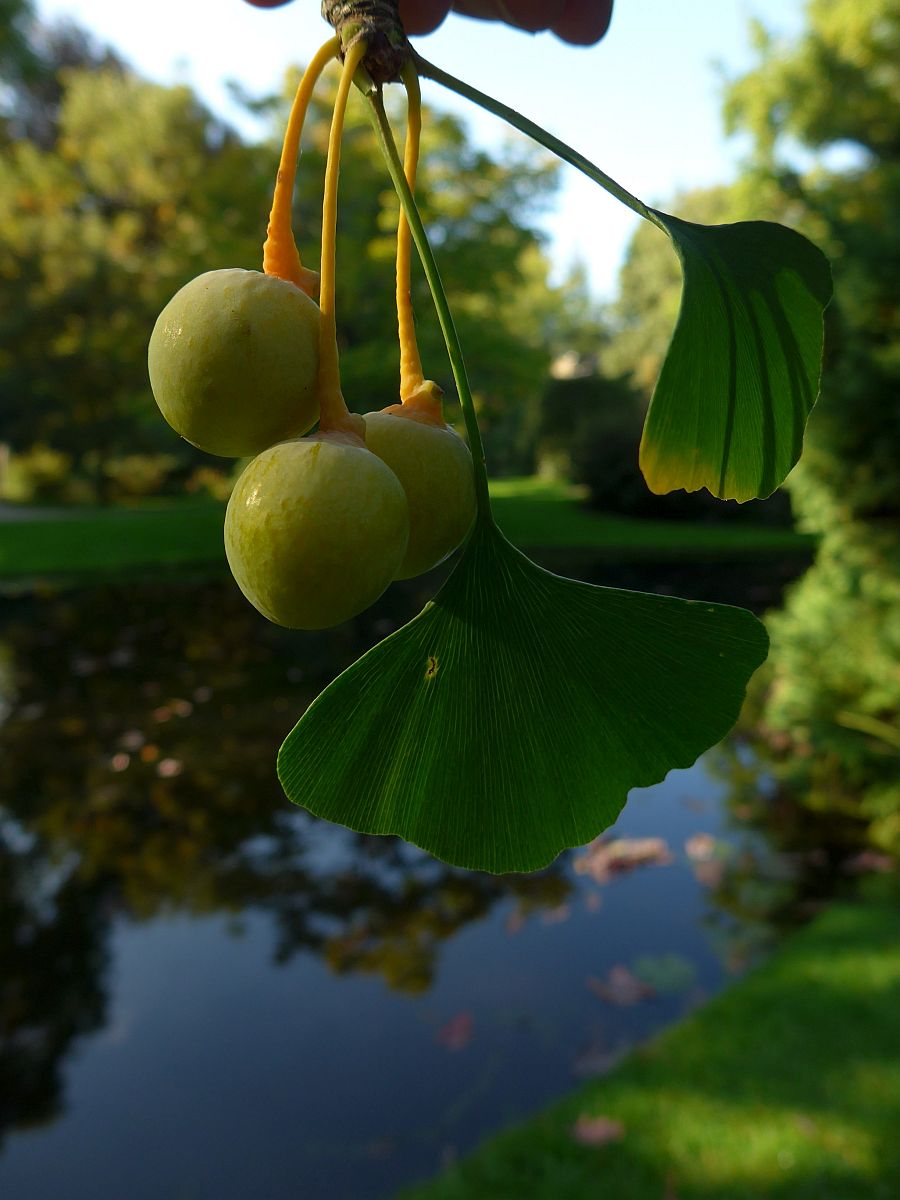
column 423, row 16
column 583, row 22
column 530, row 15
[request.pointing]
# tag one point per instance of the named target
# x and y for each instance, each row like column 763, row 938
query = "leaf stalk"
column 536, row 133
column 441, row 304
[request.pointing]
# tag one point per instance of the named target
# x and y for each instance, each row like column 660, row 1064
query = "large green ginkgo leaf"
column 742, row 371
column 511, row 717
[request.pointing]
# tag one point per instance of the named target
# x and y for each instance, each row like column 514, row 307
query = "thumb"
column 531, row 15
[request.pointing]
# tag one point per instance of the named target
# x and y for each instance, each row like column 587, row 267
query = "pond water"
column 205, row 992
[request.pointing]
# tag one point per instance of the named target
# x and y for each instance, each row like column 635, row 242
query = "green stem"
column 445, row 317
column 566, row 153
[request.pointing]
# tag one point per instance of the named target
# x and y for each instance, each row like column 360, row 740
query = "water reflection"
column 140, row 813
column 53, row 955
column 138, row 779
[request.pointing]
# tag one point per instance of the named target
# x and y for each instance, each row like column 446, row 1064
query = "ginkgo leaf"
column 511, row 717
column 742, row 371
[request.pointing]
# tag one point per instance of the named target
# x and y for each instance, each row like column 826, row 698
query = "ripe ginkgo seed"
column 435, row 467
column 315, row 530
column 233, row 361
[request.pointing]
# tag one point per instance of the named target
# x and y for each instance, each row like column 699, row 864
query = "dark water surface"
column 205, row 992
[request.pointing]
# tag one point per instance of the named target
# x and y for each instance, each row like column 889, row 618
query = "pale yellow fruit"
column 435, row 467
column 315, row 530
column 233, row 361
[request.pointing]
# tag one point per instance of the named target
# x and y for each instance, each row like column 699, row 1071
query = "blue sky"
column 643, row 103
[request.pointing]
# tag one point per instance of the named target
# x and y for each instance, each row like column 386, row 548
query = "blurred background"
column 205, row 992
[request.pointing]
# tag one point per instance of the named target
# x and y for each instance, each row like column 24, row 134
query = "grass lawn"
column 531, row 512
column 542, row 514
column 786, row 1087
column 90, row 541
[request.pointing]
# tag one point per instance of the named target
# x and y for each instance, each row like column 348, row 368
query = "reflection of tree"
column 52, row 956
column 831, row 719
column 794, row 853
column 138, row 779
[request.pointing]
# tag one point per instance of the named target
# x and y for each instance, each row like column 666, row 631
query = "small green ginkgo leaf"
column 511, row 717
column 742, row 371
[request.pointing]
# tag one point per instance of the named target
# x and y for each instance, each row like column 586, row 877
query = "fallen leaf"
column 700, row 847
column 514, row 922
column 457, row 1033
column 597, row 1131
column 621, row 987
column 553, row 916
column 711, row 873
column 603, row 859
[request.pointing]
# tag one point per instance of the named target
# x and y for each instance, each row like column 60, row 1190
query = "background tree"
column 136, row 187
column 631, row 349
column 824, row 114
column 115, row 191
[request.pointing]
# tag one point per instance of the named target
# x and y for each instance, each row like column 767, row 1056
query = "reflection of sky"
column 224, row 997
column 221, row 1074
column 644, row 104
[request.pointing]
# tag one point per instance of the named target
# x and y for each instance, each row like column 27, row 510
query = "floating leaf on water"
column 555, row 916
column 515, row 922
column 700, row 847
column 457, row 1033
column 710, row 873
column 621, row 987
column 603, row 859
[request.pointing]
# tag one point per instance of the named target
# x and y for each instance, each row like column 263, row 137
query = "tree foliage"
column 833, row 706
column 136, row 188
column 115, row 191
column 836, row 90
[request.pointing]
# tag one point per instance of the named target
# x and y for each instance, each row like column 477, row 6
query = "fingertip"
column 584, row 22
column 532, row 15
column 423, row 16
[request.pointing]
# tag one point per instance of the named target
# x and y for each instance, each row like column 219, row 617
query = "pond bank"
column 532, row 513
column 787, row 1085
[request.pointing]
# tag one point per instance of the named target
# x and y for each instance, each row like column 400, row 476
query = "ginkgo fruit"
column 315, row 530
column 233, row 361
column 435, row 467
